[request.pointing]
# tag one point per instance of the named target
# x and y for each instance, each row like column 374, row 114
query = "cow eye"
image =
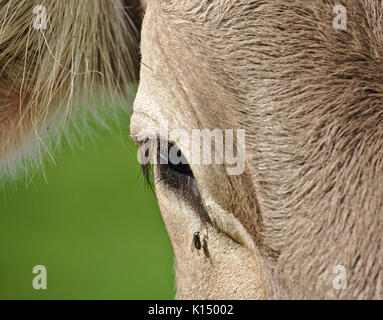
column 176, row 162
column 174, row 173
column 172, row 168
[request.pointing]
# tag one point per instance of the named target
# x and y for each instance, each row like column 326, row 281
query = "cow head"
column 294, row 101
column 308, row 97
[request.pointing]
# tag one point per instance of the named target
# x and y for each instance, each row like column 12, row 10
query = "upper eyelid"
column 151, row 133
column 140, row 139
column 140, row 134
column 139, row 142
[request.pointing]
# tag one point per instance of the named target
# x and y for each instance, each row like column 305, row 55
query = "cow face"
column 291, row 92
column 308, row 195
column 174, row 85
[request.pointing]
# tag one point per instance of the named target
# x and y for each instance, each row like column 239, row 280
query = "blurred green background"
column 92, row 223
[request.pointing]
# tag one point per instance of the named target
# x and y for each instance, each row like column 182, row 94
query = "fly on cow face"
column 197, row 240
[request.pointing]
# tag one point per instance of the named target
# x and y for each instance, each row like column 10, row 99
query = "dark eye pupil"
column 179, row 165
column 181, row 168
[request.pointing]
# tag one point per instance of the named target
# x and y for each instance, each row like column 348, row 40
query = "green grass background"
column 93, row 224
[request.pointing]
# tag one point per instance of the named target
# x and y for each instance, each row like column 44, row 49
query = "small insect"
column 197, row 240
